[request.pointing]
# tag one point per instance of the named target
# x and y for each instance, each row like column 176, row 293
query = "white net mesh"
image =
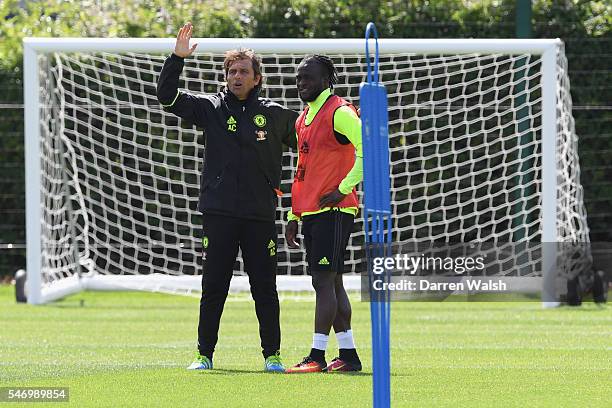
column 120, row 176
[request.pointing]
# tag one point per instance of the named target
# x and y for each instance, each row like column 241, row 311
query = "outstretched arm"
column 190, row 107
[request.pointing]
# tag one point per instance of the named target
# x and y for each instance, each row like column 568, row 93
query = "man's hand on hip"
column 331, row 199
column 290, row 234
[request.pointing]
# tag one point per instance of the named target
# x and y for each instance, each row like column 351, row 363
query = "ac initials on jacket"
column 231, row 124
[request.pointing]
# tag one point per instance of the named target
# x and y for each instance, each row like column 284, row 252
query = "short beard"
column 312, row 98
column 308, row 100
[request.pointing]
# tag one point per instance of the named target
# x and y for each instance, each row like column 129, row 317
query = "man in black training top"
column 241, row 174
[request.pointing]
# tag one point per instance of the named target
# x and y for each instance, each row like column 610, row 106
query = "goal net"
column 482, row 149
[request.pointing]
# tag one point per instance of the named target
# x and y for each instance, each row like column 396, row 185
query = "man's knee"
column 344, row 307
column 263, row 289
column 215, row 284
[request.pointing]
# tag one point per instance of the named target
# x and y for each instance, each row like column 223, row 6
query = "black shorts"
column 326, row 236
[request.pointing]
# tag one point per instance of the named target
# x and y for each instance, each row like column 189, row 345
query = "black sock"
column 318, row 355
column 209, row 355
column 349, row 355
column 267, row 353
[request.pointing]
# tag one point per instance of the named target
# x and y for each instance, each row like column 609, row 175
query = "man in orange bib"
column 323, row 197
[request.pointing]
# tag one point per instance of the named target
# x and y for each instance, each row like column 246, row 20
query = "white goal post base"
column 482, row 149
column 174, row 284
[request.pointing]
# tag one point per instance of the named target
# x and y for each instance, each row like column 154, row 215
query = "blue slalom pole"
column 377, row 214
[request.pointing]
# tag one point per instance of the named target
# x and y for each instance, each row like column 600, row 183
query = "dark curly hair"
column 327, row 64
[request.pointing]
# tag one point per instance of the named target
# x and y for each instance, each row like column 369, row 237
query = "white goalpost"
column 482, row 149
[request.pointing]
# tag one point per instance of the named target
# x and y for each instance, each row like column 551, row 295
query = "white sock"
column 319, row 341
column 345, row 339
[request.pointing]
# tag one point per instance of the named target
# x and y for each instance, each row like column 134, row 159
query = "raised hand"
column 182, row 48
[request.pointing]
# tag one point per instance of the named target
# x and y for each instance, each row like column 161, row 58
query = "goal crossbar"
column 291, row 45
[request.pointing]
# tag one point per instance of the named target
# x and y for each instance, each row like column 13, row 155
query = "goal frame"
column 33, row 47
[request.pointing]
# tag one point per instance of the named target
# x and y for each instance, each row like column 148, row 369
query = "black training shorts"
column 326, row 236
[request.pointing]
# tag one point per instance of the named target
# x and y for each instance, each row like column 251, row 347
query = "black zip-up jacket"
column 242, row 159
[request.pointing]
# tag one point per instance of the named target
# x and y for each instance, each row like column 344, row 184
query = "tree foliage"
column 291, row 19
column 111, row 18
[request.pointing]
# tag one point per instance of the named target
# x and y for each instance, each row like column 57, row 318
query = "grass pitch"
column 131, row 350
